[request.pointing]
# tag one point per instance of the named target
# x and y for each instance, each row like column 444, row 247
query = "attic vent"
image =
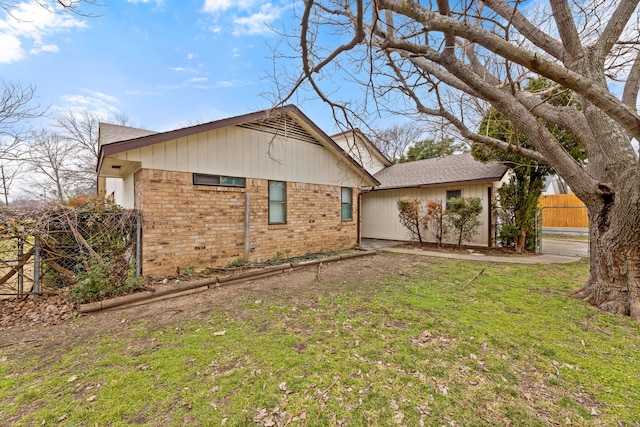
column 283, row 126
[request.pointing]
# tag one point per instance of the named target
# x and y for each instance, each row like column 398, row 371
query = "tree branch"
column 532, row 32
column 615, row 26
column 631, row 87
column 566, row 28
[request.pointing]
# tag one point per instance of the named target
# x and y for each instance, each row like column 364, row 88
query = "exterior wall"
column 380, row 213
column 360, row 152
column 242, row 152
column 185, row 225
column 122, row 190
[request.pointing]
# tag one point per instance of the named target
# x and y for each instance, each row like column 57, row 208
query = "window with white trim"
column 277, row 202
column 346, row 198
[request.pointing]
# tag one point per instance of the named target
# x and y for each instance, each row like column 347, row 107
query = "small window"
column 346, row 204
column 217, row 180
column 277, row 202
column 452, row 194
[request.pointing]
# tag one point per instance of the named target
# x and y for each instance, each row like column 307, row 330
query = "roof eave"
column 441, row 184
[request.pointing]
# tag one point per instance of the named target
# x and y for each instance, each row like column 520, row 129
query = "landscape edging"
column 149, row 296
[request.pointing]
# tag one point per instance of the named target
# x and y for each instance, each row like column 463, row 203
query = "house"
column 255, row 187
column 438, row 179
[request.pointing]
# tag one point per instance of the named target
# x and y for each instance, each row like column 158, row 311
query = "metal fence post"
column 36, row 265
column 21, row 268
column 538, row 226
column 138, row 243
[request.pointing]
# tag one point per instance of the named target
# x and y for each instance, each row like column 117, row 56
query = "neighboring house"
column 362, row 150
column 255, row 187
column 553, row 184
column 439, row 179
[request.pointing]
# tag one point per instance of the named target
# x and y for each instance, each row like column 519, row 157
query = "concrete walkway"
column 392, row 246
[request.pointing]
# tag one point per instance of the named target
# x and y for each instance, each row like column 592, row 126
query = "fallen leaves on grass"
column 276, row 417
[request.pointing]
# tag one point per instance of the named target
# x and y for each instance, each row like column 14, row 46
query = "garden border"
column 148, row 296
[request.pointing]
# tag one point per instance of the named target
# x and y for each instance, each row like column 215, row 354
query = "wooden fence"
column 563, row 211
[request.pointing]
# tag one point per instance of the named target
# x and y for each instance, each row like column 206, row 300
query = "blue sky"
column 162, row 63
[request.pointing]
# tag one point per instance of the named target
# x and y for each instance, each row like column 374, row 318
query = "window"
column 346, row 204
column 277, row 202
column 217, row 180
column 452, row 194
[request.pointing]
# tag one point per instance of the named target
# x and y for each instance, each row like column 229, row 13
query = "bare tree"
column 53, row 172
column 445, row 60
column 80, row 132
column 16, row 109
column 63, row 6
column 394, row 140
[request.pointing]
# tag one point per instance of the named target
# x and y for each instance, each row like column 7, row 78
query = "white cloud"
column 183, row 70
column 249, row 17
column 30, row 23
column 93, row 101
column 10, row 49
column 231, row 83
column 214, row 6
column 257, row 23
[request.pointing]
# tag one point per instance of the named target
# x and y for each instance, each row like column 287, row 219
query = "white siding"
column 235, row 151
column 380, row 213
column 122, row 190
column 360, row 152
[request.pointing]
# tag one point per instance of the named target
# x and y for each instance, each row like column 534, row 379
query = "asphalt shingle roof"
column 457, row 168
column 113, row 133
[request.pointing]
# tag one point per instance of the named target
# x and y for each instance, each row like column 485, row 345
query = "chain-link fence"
column 49, row 248
column 563, row 230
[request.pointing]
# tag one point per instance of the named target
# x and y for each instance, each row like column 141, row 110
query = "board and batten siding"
column 380, row 212
column 360, row 152
column 240, row 152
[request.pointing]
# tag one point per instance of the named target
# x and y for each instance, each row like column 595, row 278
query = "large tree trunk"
column 614, row 280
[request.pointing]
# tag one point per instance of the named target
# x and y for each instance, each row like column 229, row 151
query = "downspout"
column 359, row 224
column 490, row 219
column 247, row 202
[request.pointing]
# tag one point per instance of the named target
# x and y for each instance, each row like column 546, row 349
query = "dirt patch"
column 52, row 321
column 44, row 310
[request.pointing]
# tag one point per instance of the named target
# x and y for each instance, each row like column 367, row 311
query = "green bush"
column 97, row 282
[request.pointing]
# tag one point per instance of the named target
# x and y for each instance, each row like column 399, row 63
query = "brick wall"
column 200, row 226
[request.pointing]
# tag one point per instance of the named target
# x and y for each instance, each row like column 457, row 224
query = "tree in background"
column 430, row 149
column 50, row 166
column 80, row 130
column 518, row 199
column 394, row 140
column 462, row 214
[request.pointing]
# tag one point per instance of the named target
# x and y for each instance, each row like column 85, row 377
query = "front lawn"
column 424, row 345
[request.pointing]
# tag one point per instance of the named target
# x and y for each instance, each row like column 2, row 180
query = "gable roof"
column 367, row 142
column 454, row 169
column 295, row 123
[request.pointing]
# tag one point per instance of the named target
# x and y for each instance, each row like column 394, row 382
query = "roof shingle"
column 457, row 168
column 113, row 133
